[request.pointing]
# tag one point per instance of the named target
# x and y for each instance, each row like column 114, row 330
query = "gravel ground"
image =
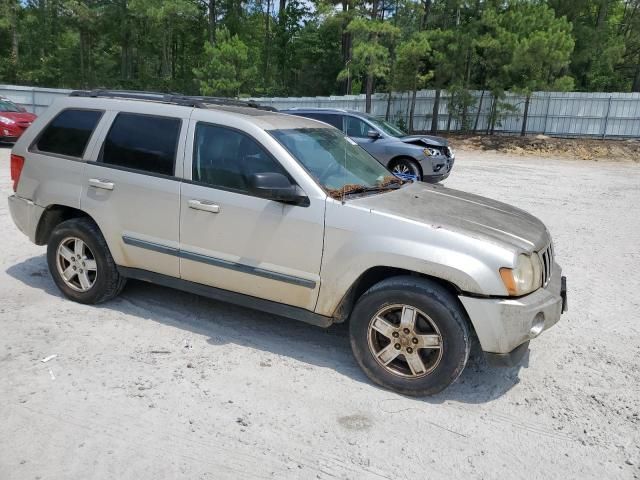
column 160, row 384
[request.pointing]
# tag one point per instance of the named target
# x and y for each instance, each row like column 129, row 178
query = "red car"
column 14, row 120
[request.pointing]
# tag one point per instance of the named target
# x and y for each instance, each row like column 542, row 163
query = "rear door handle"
column 205, row 206
column 104, row 184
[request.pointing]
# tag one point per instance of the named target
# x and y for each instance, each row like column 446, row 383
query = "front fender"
column 357, row 240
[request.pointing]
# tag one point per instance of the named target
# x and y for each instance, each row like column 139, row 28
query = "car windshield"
column 8, row 106
column 387, row 127
column 336, row 161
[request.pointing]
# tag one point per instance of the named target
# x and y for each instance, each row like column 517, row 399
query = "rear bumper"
column 505, row 325
column 26, row 215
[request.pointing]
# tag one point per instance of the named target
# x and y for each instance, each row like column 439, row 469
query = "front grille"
column 546, row 257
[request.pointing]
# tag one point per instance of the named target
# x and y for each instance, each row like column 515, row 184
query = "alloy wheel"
column 76, row 264
column 402, row 168
column 405, row 341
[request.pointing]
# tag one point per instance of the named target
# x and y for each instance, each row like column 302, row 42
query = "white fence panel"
column 573, row 114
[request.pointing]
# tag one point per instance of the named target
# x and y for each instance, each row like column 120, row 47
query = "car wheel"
column 410, row 335
column 80, row 262
column 406, row 168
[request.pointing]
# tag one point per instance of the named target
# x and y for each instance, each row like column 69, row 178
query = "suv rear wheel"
column 410, row 335
column 81, row 264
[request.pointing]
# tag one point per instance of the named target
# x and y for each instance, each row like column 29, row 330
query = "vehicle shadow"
column 224, row 323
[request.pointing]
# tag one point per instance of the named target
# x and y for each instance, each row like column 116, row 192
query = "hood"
column 19, row 117
column 426, row 140
column 461, row 212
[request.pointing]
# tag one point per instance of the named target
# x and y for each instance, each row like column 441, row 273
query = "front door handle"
column 104, row 184
column 205, row 206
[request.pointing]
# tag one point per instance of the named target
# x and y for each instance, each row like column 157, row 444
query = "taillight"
column 17, row 162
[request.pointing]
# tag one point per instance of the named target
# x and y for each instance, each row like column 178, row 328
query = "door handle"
column 205, row 206
column 104, row 184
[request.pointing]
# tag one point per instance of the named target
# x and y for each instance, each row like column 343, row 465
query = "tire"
column 439, row 320
column 406, row 166
column 102, row 281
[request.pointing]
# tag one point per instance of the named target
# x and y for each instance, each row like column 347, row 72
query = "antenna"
column 344, row 183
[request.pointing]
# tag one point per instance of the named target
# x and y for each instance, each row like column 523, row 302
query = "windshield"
column 336, row 161
column 8, row 106
column 387, row 127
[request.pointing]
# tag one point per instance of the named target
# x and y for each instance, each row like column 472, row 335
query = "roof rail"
column 327, row 109
column 172, row 98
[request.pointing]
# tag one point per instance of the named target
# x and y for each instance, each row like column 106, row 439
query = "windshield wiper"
column 377, row 188
column 354, row 188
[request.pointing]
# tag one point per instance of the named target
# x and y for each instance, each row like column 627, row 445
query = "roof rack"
column 172, row 98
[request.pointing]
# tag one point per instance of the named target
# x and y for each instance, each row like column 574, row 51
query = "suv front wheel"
column 406, row 168
column 80, row 262
column 410, row 335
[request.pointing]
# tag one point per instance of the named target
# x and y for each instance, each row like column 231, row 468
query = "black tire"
column 406, row 166
column 445, row 313
column 107, row 283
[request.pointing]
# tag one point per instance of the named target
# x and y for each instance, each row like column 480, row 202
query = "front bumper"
column 503, row 325
column 436, row 178
column 437, row 167
column 26, row 215
column 10, row 133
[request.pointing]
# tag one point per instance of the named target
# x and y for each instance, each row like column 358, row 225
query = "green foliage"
column 227, row 71
column 460, row 106
column 412, row 65
column 400, row 122
column 296, row 47
column 541, row 45
column 371, row 55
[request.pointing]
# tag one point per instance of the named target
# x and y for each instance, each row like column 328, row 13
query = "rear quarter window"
column 330, row 118
column 68, row 133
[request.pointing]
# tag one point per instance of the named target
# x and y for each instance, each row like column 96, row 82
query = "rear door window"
column 142, row 142
column 68, row 133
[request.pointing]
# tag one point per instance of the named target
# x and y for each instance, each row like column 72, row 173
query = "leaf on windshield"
column 337, row 193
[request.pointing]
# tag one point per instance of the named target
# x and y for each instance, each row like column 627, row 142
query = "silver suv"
column 412, row 157
column 286, row 215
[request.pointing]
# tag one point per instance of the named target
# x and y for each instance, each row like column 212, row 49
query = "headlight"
column 430, row 151
column 7, row 121
column 525, row 277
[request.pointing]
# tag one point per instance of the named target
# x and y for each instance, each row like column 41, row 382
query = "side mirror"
column 373, row 134
column 277, row 187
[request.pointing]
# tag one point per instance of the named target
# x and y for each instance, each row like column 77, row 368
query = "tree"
column 227, row 71
column 540, row 49
column 9, row 43
column 601, row 41
column 411, row 68
column 370, row 53
column 302, row 47
column 447, row 64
